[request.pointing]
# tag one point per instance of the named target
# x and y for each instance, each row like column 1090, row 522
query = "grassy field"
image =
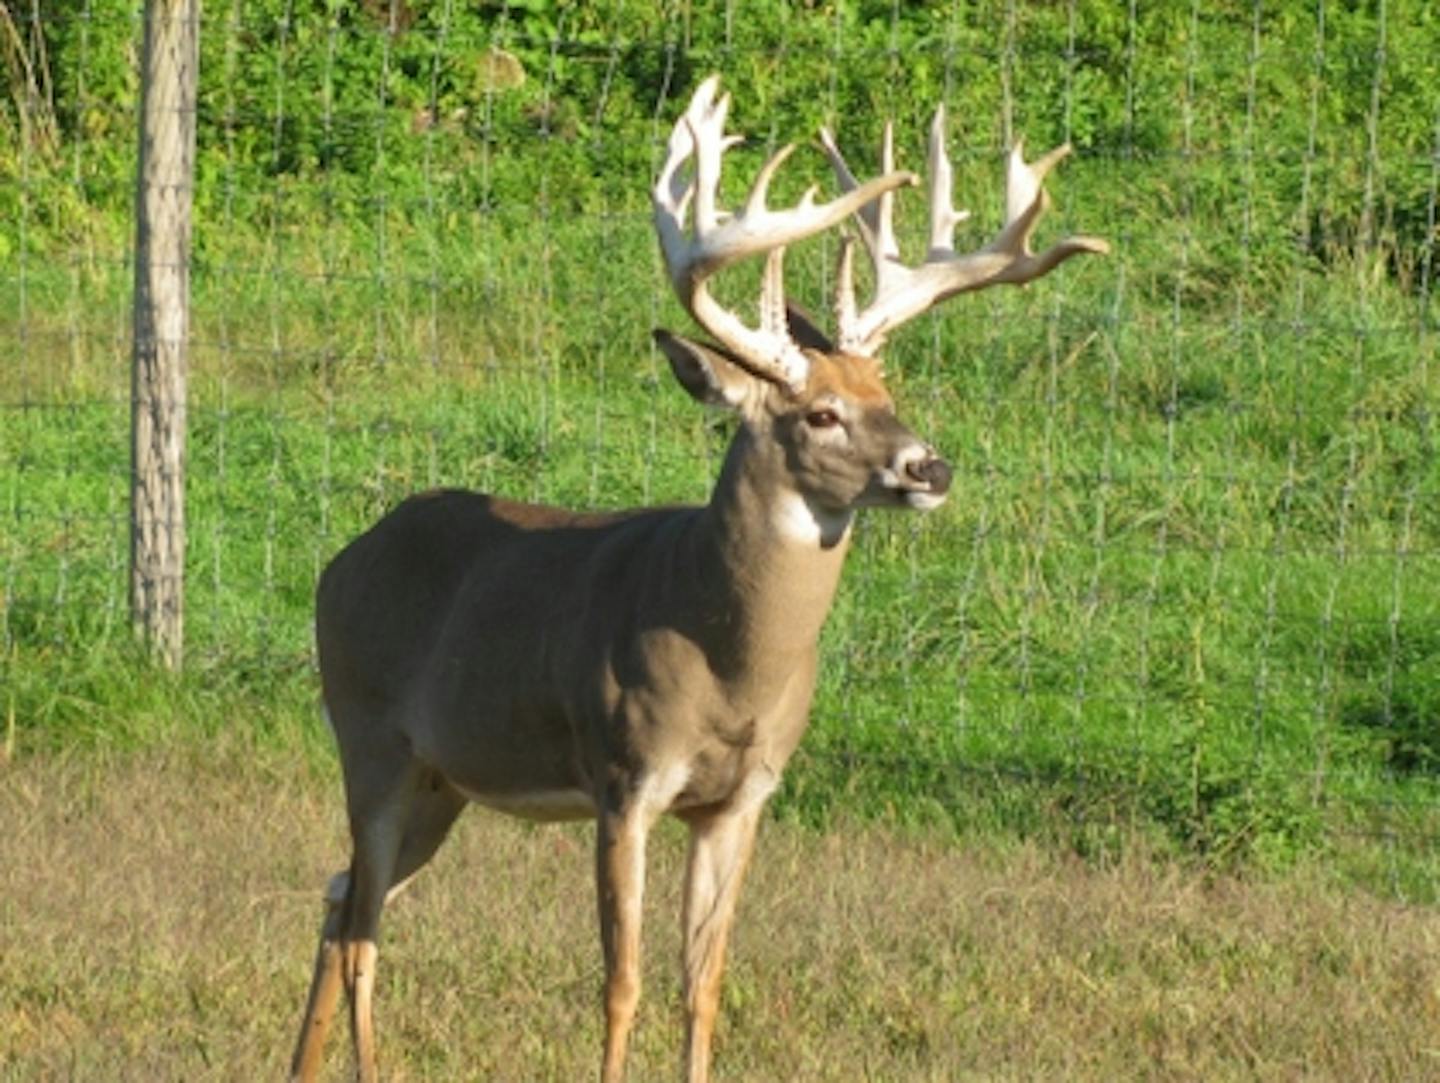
column 1186, row 588
column 861, row 954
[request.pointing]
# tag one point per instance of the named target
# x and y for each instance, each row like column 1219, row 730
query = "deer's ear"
column 805, row 331
column 709, row 374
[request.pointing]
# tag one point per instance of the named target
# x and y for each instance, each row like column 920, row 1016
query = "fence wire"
column 1189, row 572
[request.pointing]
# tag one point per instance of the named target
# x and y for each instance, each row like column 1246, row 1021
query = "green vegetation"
column 1186, row 589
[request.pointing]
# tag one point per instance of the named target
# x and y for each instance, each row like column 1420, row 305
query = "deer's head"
column 817, row 408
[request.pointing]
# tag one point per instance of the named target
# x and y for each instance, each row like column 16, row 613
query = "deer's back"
column 457, row 565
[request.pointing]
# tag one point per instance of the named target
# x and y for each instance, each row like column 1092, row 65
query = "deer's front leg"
column 720, row 847
column 620, row 879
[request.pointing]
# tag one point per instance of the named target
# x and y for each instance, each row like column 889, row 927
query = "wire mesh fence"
column 1188, row 575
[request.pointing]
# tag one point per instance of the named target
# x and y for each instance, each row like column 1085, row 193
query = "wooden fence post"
column 163, row 198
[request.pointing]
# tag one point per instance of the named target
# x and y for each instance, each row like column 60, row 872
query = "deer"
column 620, row 666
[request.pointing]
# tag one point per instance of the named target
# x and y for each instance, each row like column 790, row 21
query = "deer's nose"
column 932, row 471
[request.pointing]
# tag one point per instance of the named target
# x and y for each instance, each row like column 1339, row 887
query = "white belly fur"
column 538, row 804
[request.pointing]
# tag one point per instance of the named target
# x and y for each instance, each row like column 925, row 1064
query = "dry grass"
column 157, row 916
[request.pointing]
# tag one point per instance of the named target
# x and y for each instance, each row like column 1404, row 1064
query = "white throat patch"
column 798, row 520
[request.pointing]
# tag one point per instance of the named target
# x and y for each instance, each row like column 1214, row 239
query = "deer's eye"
column 822, row 419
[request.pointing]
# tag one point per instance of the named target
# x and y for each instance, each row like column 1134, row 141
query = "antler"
column 720, row 238
column 902, row 293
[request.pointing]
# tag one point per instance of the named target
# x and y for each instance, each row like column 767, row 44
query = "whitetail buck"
column 559, row 665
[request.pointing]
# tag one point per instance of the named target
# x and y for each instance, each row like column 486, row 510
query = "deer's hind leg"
column 397, row 824
column 324, row 985
column 394, row 837
column 434, row 807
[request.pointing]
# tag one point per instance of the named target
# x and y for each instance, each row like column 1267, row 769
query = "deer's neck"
column 771, row 562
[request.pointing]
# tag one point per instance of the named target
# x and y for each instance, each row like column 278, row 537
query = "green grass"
column 1184, row 589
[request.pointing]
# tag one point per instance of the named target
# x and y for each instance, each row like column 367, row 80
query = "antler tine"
column 845, row 315
column 755, row 201
column 877, row 231
column 1025, row 201
column 868, row 216
column 886, row 247
column 901, row 292
column 940, row 180
column 706, row 124
column 717, row 239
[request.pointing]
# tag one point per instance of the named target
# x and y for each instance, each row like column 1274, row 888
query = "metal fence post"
column 163, row 198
